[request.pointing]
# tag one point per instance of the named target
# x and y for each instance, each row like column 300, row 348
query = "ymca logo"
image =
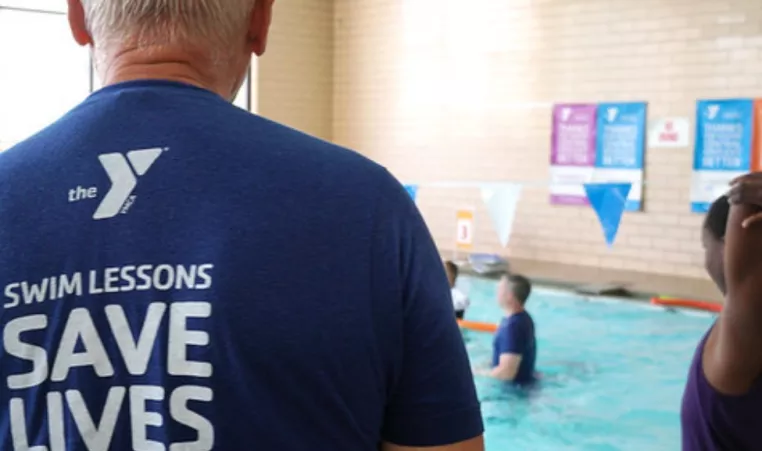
column 611, row 114
column 565, row 114
column 712, row 111
column 124, row 171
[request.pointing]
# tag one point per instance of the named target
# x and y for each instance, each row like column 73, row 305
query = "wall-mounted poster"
column 464, row 233
column 572, row 153
column 756, row 142
column 620, row 148
column 722, row 148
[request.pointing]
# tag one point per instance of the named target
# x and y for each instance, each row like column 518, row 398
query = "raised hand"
column 747, row 189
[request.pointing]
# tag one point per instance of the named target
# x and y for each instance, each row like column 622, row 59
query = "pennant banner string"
column 530, row 183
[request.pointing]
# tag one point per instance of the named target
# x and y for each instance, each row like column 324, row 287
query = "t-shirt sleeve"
column 511, row 340
column 432, row 401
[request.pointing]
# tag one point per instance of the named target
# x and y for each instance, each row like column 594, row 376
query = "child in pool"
column 460, row 301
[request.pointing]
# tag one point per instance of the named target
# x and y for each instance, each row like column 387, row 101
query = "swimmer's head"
column 713, row 240
column 208, row 43
column 513, row 292
column 452, row 272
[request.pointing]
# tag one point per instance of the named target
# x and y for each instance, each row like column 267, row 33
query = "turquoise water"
column 613, row 374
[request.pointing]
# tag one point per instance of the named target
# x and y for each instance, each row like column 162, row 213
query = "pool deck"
column 641, row 285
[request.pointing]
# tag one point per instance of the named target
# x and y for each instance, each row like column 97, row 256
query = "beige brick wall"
column 452, row 90
column 295, row 76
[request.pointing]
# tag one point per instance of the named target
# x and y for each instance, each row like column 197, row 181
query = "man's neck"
column 158, row 63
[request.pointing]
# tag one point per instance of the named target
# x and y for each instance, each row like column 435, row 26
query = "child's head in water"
column 713, row 240
column 452, row 272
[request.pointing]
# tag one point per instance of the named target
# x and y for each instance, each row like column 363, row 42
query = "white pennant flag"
column 501, row 200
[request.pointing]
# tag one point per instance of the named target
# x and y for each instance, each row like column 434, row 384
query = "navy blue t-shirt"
column 515, row 335
column 179, row 274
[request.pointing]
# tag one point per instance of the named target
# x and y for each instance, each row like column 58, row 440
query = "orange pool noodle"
column 477, row 326
column 687, row 303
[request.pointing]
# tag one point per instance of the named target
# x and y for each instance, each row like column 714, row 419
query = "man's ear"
column 259, row 27
column 78, row 23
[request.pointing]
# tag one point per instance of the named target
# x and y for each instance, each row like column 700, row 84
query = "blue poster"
column 722, row 149
column 620, row 147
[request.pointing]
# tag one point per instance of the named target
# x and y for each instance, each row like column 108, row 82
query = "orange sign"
column 464, row 238
column 756, row 140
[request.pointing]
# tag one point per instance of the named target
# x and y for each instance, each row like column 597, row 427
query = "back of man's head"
column 521, row 287
column 167, row 21
column 208, row 43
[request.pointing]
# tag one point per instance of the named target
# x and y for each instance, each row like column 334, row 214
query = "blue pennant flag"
column 609, row 201
column 412, row 190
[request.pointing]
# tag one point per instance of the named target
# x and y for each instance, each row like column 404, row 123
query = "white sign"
column 669, row 132
column 464, row 239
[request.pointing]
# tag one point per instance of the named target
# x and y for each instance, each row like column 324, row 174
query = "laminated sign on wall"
column 620, row 148
column 669, row 132
column 722, row 148
column 572, row 152
column 464, row 238
column 602, row 143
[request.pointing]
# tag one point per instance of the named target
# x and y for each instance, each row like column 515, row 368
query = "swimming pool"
column 613, row 374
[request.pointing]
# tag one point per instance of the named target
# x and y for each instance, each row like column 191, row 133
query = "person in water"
column 515, row 347
column 722, row 402
column 460, row 301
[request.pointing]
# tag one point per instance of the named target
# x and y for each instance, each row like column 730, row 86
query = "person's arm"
column 732, row 359
column 507, row 368
column 510, row 345
column 432, row 403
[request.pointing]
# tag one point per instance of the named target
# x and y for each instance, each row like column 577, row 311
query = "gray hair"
column 200, row 23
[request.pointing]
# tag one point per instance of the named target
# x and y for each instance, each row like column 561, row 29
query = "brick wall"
column 295, row 76
column 448, row 90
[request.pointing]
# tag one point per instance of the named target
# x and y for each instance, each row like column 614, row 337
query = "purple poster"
column 572, row 153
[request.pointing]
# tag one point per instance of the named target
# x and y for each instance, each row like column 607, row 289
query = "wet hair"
column 452, row 268
column 521, row 287
column 716, row 219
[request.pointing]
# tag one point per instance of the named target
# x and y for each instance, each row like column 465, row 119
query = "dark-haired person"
column 515, row 347
column 460, row 301
column 722, row 402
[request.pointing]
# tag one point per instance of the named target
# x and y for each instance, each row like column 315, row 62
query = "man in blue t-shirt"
column 179, row 274
column 515, row 347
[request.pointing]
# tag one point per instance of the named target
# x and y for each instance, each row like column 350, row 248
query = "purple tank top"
column 712, row 421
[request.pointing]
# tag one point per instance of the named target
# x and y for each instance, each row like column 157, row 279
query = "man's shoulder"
column 13, row 159
column 317, row 162
column 239, row 138
column 288, row 141
column 525, row 319
column 518, row 320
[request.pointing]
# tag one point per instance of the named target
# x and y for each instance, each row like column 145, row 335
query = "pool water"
column 613, row 373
